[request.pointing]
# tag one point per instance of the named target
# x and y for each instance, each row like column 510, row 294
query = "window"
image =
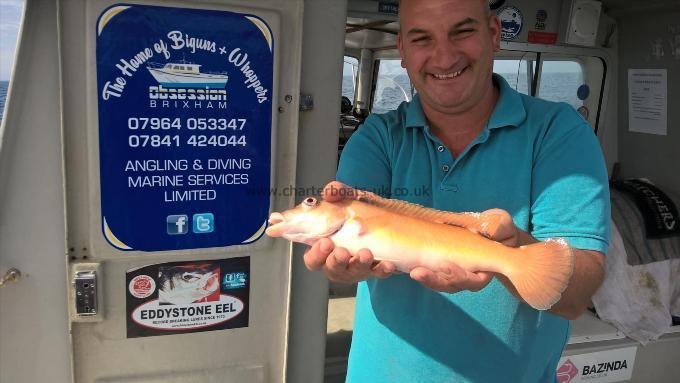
column 517, row 73
column 560, row 81
column 392, row 86
column 349, row 77
column 10, row 19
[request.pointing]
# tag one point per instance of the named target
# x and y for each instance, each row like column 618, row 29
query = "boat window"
column 576, row 80
column 518, row 73
column 560, row 81
column 350, row 69
column 10, row 20
column 180, row 67
column 392, row 86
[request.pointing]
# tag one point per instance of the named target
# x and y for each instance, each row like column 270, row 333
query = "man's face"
column 447, row 48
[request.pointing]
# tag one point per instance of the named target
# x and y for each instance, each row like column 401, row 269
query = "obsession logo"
column 181, row 98
column 161, row 93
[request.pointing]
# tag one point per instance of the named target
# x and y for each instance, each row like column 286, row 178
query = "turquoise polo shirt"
column 536, row 159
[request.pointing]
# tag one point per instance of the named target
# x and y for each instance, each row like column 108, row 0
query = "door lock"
column 85, row 285
column 85, row 298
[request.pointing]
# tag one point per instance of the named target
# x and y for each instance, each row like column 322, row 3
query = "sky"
column 10, row 18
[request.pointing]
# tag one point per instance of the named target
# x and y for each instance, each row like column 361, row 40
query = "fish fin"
column 486, row 223
column 543, row 272
column 354, row 225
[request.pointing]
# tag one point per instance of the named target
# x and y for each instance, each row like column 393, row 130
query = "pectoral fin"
column 354, row 226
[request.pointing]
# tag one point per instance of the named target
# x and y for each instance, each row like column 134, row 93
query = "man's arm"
column 587, row 275
column 586, row 278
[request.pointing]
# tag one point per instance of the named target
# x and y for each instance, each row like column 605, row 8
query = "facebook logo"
column 177, row 224
column 203, row 223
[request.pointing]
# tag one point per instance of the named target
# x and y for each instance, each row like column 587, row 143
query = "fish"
column 182, row 285
column 410, row 235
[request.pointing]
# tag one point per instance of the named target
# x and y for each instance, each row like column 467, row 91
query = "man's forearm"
column 586, row 278
column 587, row 275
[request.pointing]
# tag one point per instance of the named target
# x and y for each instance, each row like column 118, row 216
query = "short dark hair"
column 487, row 8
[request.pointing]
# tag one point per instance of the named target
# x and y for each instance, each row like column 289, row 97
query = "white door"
column 140, row 148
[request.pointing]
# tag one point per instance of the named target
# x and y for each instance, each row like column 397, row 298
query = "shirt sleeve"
column 364, row 162
column 570, row 188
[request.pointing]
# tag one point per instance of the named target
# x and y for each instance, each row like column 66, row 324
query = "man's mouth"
column 448, row 76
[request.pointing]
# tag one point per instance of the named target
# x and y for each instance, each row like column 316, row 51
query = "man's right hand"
column 338, row 264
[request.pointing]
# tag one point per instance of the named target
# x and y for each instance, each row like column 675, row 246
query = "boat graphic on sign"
column 186, row 75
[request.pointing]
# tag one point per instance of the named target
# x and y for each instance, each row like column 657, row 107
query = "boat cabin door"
column 143, row 148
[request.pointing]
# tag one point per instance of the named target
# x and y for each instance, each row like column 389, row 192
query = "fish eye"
column 189, row 277
column 310, row 201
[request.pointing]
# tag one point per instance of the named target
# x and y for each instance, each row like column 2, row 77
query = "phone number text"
column 197, row 140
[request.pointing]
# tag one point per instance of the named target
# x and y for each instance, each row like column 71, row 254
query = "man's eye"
column 465, row 32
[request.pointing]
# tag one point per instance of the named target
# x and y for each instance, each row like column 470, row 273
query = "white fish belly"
column 405, row 258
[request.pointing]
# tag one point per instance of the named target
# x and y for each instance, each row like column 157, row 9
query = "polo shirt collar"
column 509, row 110
column 415, row 117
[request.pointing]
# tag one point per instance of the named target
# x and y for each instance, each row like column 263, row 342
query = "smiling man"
column 477, row 145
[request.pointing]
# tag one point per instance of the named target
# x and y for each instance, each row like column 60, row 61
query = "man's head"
column 447, row 48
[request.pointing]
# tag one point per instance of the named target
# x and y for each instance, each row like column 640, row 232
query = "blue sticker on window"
column 511, row 22
column 583, row 92
column 185, row 118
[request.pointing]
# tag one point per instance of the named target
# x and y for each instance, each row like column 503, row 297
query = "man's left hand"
column 451, row 278
column 495, row 224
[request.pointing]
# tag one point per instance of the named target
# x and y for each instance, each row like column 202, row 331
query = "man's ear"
column 400, row 47
column 495, row 29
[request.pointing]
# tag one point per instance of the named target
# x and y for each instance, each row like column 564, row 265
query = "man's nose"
column 445, row 54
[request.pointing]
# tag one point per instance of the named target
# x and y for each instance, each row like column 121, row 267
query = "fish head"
column 184, row 285
column 309, row 221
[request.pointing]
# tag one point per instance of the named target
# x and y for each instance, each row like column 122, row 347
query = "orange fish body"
column 409, row 236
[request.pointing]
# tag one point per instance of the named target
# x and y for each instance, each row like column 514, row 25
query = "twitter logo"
column 203, row 223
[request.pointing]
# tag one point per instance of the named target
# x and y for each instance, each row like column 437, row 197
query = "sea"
column 3, row 95
column 555, row 86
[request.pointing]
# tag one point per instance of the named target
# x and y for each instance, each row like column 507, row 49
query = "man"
column 475, row 144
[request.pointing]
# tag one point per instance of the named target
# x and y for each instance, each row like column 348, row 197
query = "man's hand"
column 495, row 224
column 451, row 278
column 336, row 262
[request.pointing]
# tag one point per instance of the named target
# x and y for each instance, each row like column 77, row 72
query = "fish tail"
column 543, row 272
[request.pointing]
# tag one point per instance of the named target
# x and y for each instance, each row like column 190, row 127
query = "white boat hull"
column 188, row 80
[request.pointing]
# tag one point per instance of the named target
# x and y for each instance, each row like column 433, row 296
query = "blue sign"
column 235, row 280
column 511, row 22
column 185, row 116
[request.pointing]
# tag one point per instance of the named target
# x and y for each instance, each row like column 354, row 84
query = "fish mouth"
column 275, row 218
column 277, row 225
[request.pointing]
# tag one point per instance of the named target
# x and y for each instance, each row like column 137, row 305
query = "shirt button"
column 440, row 148
column 445, row 168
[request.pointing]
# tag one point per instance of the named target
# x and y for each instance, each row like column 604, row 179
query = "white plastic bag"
column 638, row 300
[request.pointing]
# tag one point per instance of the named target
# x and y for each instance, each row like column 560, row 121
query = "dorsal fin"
column 485, row 224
